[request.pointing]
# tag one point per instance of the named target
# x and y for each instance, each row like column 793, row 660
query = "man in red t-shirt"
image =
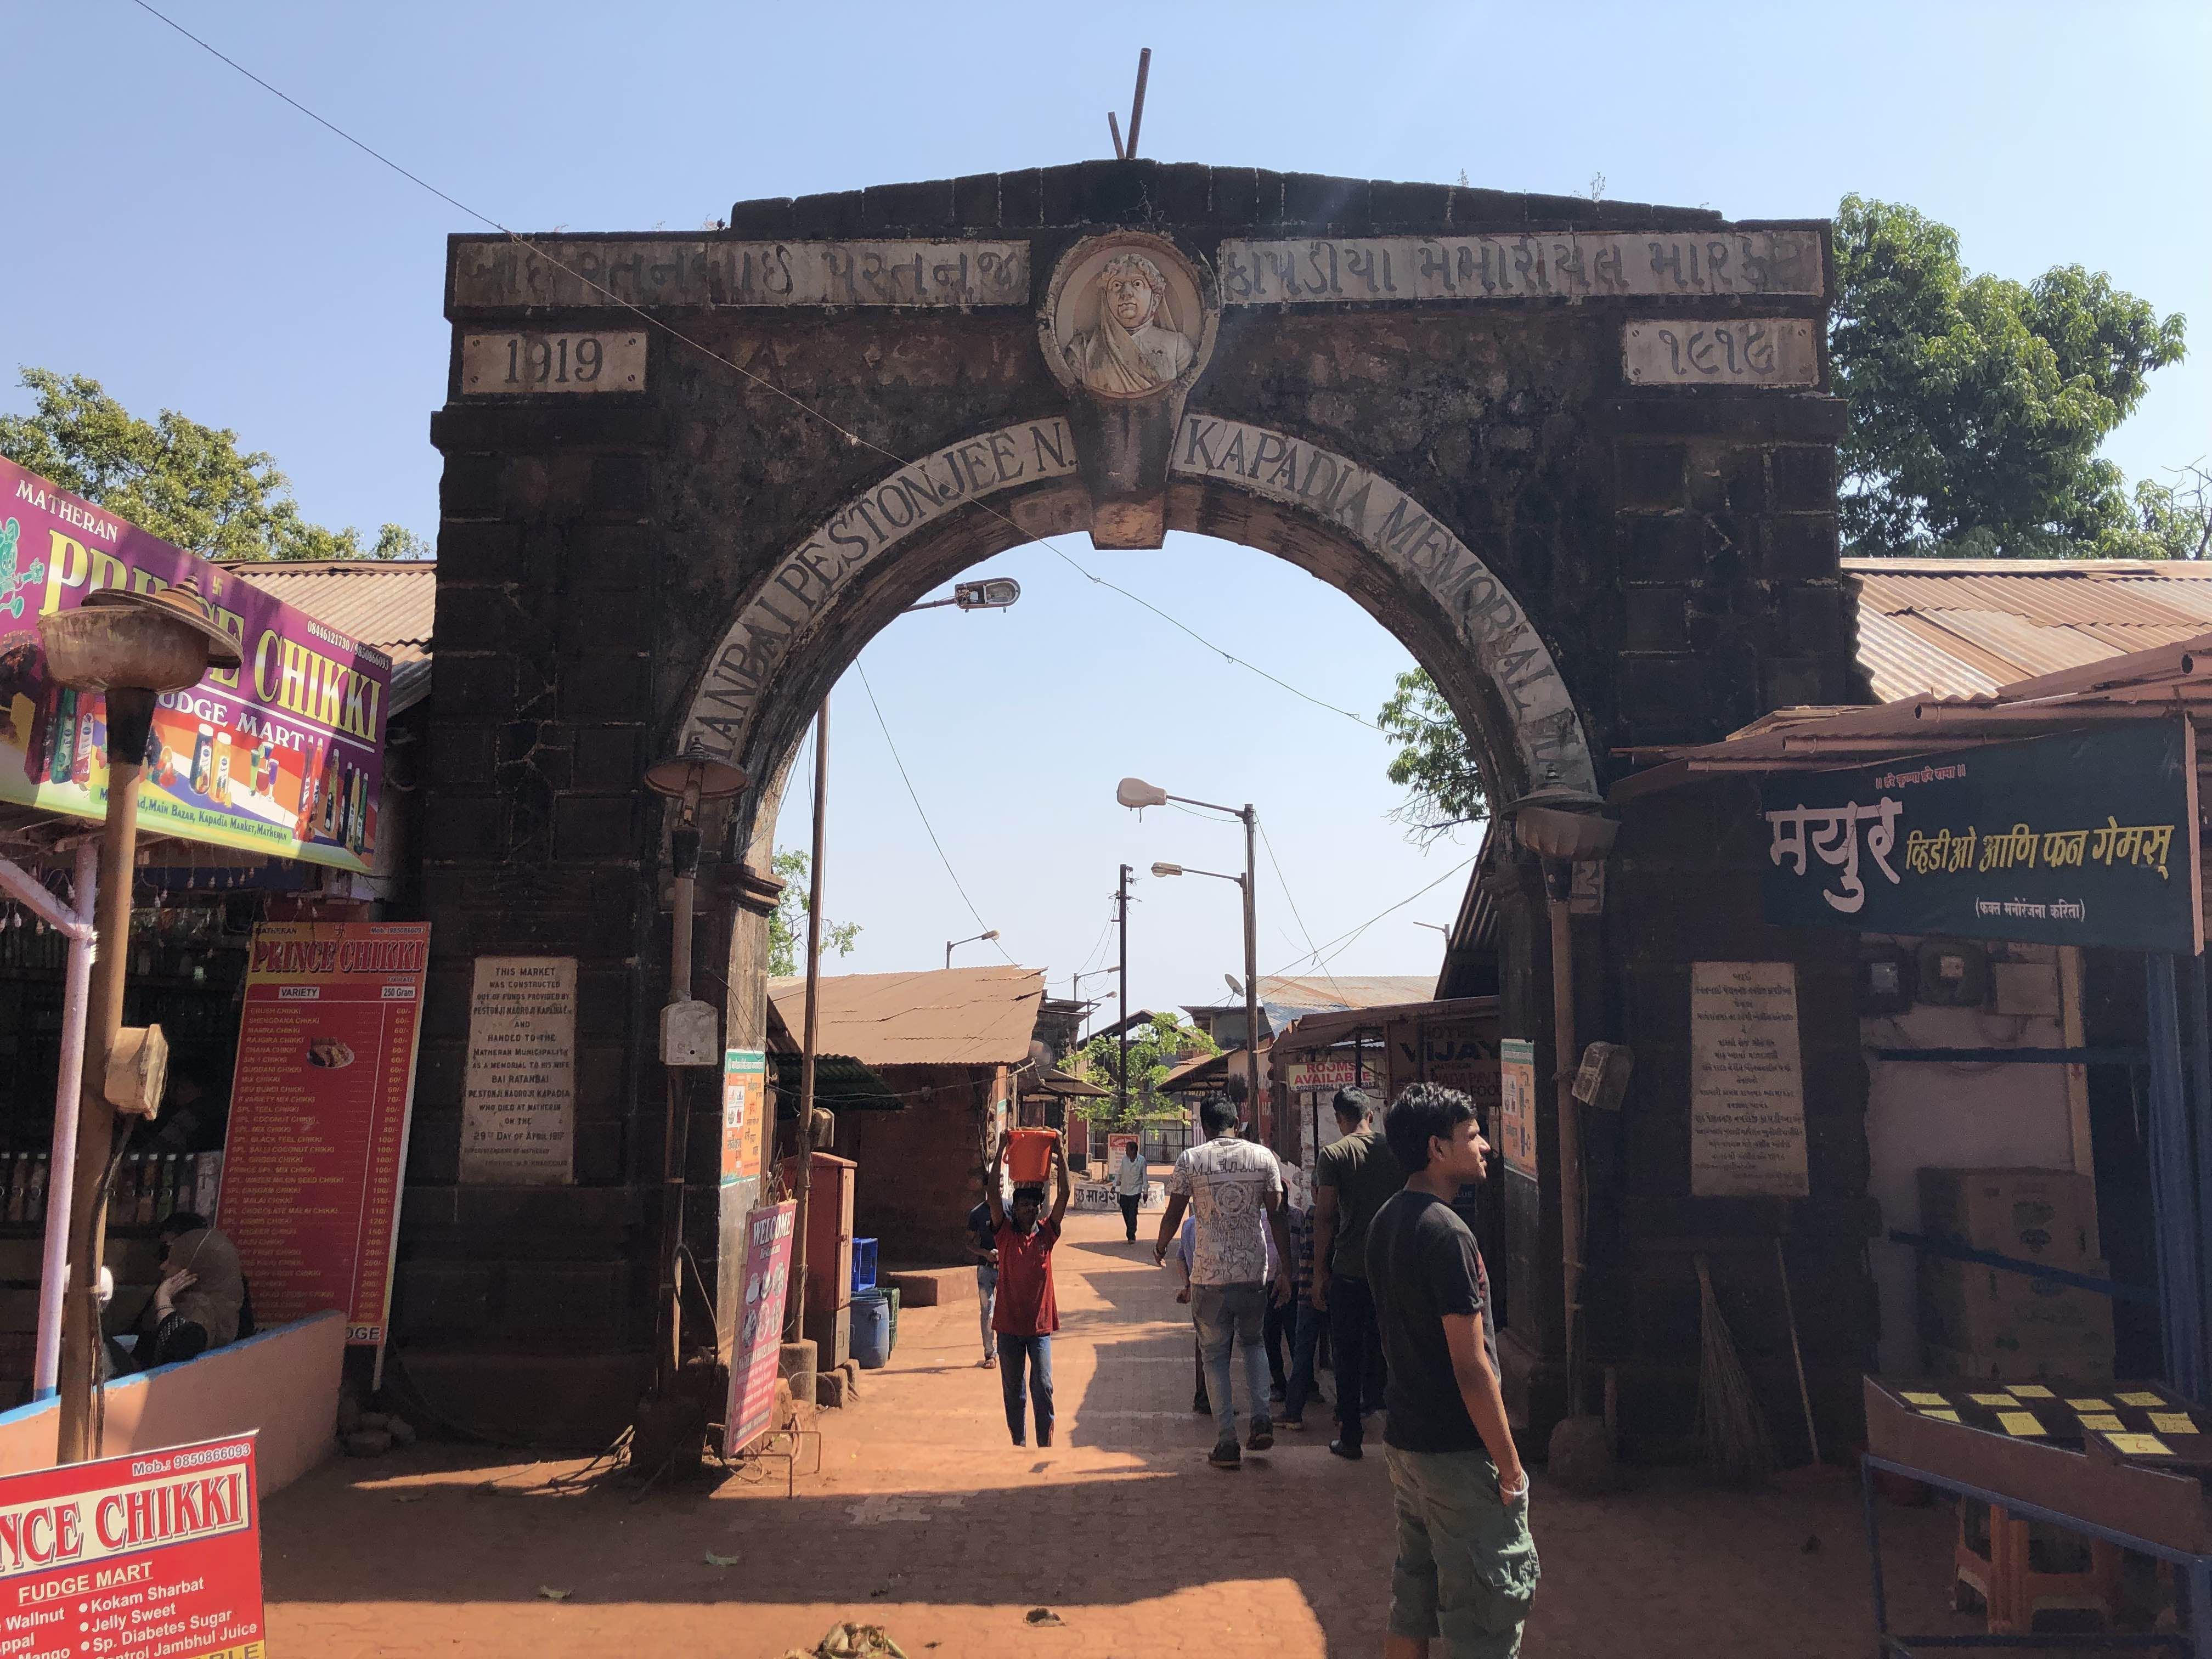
column 1028, row 1313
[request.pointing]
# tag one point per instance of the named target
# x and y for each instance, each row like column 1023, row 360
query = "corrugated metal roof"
column 1343, row 990
column 1964, row 627
column 389, row 605
column 943, row 1016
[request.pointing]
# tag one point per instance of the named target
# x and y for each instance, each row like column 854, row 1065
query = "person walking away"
column 982, row 1239
column 1467, row 1566
column 1354, row 1177
column 1027, row 1312
column 1234, row 1191
column 1130, row 1177
column 1306, row 1322
column 1186, row 1241
column 1279, row 1331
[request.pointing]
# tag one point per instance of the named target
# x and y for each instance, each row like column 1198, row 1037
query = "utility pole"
column 796, row 1318
column 1262, row 1119
column 1121, row 1082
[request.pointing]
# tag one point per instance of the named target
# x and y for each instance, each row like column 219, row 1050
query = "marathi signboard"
column 744, row 1096
column 1747, row 1085
column 753, row 1365
column 519, row 1118
column 1516, row 1104
column 281, row 756
column 320, row 1108
column 155, row 1555
column 2085, row 839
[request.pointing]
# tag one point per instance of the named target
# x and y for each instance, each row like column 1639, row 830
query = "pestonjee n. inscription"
column 495, row 274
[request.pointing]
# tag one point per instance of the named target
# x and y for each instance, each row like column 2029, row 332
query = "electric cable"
column 1337, row 946
column 651, row 321
column 1283, row 882
column 923, row 815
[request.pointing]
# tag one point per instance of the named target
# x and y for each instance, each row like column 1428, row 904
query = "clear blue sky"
column 192, row 243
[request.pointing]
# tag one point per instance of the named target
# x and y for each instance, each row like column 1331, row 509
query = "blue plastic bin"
column 864, row 1265
column 872, row 1329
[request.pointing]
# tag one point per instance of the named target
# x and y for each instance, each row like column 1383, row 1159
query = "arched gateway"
column 1577, row 456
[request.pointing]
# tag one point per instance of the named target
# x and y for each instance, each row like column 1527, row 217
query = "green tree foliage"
column 1976, row 407
column 1433, row 763
column 1977, row 403
column 188, row 483
column 786, row 923
column 1156, row 1049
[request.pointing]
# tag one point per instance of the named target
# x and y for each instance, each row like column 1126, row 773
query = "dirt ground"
column 923, row 1518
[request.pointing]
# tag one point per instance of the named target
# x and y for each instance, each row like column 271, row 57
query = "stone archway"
column 1577, row 456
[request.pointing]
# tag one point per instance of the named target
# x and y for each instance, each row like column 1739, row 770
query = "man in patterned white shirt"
column 1234, row 1190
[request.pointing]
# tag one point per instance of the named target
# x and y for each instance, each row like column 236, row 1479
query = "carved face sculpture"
column 1130, row 294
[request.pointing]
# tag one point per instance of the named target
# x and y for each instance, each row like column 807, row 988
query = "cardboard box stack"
column 1978, row 1321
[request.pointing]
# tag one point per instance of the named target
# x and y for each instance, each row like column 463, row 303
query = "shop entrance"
column 1575, row 456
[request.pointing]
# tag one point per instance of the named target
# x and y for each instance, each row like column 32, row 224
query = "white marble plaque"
column 519, row 1121
column 1747, row 1083
column 574, row 271
column 516, row 365
column 1557, row 264
column 1737, row 351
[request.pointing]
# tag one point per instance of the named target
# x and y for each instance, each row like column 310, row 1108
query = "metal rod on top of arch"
column 1137, row 104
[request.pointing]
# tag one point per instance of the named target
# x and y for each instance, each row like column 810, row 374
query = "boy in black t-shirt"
column 1467, row 1566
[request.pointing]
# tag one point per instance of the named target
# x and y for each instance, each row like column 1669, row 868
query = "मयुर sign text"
column 1968, row 844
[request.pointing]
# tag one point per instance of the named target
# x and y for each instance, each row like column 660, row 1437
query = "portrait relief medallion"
column 1128, row 316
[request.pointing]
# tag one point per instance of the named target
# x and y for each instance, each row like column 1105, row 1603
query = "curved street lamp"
column 133, row 647
column 1136, row 795
column 973, row 939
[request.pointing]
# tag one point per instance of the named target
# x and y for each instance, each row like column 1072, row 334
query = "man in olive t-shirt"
column 1352, row 1179
column 1467, row 1565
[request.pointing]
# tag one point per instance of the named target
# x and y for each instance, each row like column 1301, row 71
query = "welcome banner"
column 283, row 755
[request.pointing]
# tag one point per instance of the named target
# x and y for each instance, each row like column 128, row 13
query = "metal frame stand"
column 782, row 1445
column 2196, row 1574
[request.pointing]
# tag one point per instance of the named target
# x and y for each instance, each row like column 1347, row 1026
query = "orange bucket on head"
column 1029, row 1159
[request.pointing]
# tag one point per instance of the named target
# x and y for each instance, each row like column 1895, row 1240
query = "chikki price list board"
column 320, row 1105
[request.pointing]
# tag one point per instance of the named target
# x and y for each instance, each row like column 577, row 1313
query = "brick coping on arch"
column 1359, row 503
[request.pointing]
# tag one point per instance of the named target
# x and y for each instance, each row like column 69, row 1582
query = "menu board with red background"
column 280, row 755
column 154, row 1555
column 319, row 1115
column 755, row 1365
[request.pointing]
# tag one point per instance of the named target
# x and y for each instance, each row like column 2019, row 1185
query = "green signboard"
column 2089, row 838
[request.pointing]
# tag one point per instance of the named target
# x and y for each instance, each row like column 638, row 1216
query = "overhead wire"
column 1337, row 946
column 653, row 321
column 850, row 436
column 923, row 815
column 1283, row 882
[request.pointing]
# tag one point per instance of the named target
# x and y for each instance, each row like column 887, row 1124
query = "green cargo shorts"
column 1467, row 1566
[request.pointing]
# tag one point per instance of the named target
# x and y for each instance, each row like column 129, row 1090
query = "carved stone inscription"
column 865, row 528
column 519, row 1117
column 515, row 365
column 1742, row 351
column 1387, row 521
column 498, row 275
column 1747, row 1082
column 1562, row 264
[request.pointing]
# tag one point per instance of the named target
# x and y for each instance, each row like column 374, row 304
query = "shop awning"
column 1326, row 1030
column 842, row 1084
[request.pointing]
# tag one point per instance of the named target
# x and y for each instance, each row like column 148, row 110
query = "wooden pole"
column 797, row 1317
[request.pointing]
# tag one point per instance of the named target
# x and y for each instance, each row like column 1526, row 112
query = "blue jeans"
column 1037, row 1351
column 1228, row 1315
column 1303, row 1336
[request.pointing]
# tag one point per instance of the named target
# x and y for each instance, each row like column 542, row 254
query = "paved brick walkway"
column 925, row 1519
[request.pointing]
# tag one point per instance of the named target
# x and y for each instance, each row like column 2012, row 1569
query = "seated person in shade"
column 200, row 1303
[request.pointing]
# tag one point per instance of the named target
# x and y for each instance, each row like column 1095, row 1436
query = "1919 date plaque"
column 533, row 364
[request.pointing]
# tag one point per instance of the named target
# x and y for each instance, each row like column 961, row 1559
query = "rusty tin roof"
column 941, row 1017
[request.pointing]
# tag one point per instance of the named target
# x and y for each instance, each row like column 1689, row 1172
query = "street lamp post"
column 952, row 944
column 133, row 647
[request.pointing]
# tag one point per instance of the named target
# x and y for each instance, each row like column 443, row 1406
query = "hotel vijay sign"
column 2083, row 839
